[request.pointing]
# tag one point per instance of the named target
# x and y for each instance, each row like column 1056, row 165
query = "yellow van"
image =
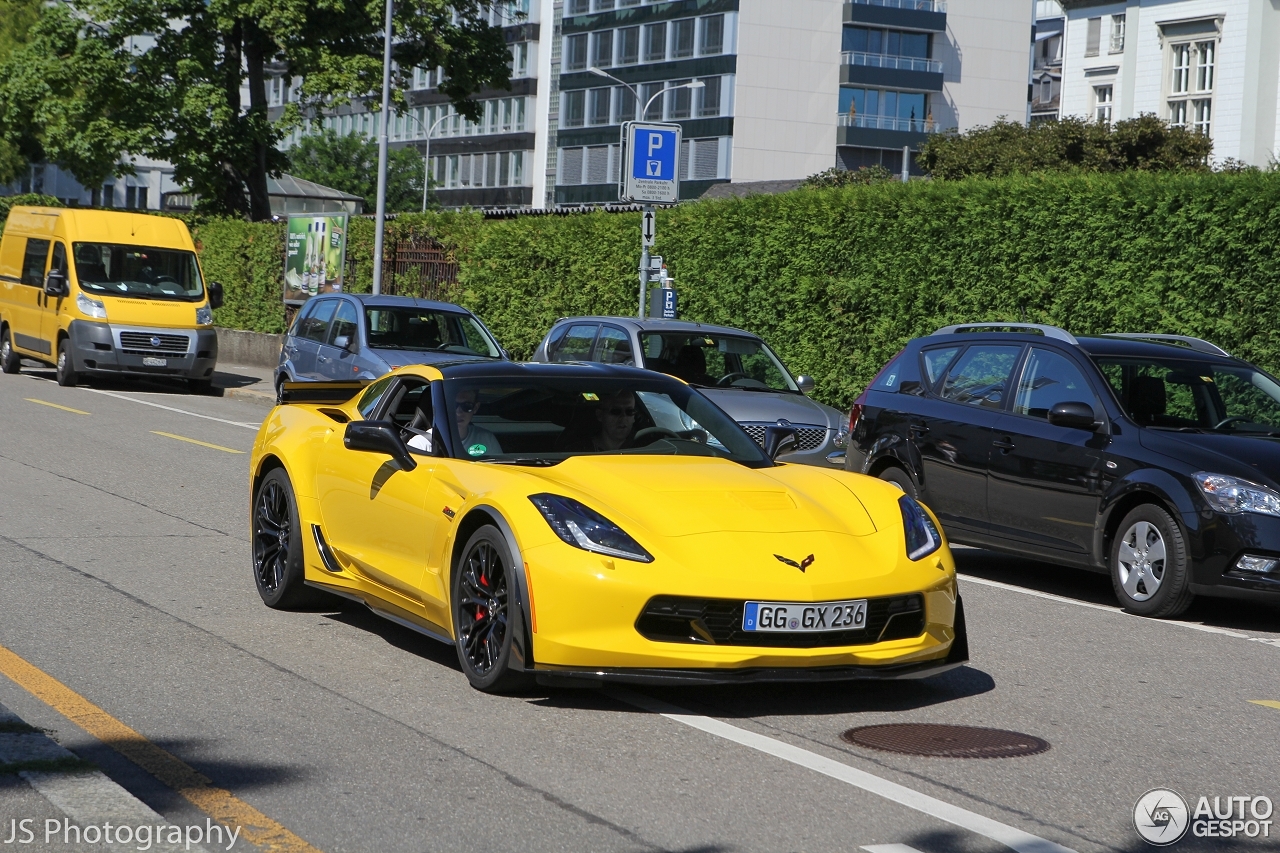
column 105, row 292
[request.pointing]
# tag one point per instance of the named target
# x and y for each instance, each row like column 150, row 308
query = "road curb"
column 249, row 395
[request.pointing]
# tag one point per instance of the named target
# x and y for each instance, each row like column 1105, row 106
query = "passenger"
column 476, row 440
column 616, row 418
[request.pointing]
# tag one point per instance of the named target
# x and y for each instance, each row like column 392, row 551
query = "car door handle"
column 1005, row 444
column 323, row 359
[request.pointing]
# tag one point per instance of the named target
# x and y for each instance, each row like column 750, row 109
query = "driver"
column 615, row 418
column 476, row 440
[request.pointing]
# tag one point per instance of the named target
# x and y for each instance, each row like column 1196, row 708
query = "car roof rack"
column 1197, row 344
column 1047, row 331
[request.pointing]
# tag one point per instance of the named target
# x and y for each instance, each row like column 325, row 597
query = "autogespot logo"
column 1161, row 817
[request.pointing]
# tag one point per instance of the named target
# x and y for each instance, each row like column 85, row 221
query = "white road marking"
column 888, row 848
column 171, row 408
column 1209, row 629
column 1016, row 839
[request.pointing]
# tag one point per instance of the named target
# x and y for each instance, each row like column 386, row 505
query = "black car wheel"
column 277, row 545
column 1149, row 568
column 66, row 366
column 895, row 475
column 10, row 362
column 482, row 623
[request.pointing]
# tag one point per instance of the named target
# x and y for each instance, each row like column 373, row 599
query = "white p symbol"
column 655, row 142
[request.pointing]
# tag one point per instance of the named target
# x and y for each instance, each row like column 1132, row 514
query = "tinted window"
column 936, row 361
column 369, row 400
column 981, row 376
column 711, row 359
column 424, row 330
column 889, row 376
column 1180, row 393
column 614, row 347
column 33, row 262
column 576, row 344
column 344, row 323
column 315, row 326
column 1049, row 378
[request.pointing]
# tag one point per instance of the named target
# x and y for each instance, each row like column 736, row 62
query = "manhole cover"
column 945, row 741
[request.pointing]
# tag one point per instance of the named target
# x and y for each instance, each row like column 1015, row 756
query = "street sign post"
column 650, row 175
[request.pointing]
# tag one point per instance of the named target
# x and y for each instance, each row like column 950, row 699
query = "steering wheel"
column 1231, row 420
column 728, row 378
column 652, row 433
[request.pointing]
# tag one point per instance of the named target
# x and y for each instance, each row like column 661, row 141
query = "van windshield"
column 138, row 271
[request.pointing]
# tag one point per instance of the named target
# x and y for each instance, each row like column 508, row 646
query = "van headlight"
column 923, row 537
column 204, row 316
column 582, row 527
column 91, row 307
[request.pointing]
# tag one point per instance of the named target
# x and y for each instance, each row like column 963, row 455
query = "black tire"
column 276, row 546
column 482, row 591
column 10, row 361
column 1149, row 569
column 67, row 376
column 900, row 478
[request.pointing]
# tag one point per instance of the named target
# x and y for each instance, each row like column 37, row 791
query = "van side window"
column 33, row 262
column 59, row 258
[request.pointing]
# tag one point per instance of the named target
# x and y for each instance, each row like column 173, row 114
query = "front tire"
column 277, row 545
column 67, row 376
column 1149, row 570
column 900, row 478
column 481, row 600
column 10, row 361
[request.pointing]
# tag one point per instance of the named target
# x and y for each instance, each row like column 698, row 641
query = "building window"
column 1191, row 72
column 573, row 108
column 577, row 7
column 681, row 100
column 602, row 6
column 682, row 38
column 1093, row 37
column 1204, row 66
column 1117, row 34
column 570, row 171
column 628, row 45
column 655, row 42
column 712, row 41
column 1178, row 113
column 602, row 49
column 598, row 106
column 885, row 110
column 653, row 96
column 709, row 97
column 1181, row 80
column 886, row 42
column 575, row 52
column 626, row 104
column 1202, row 110
column 1102, row 96
column 460, row 171
column 598, row 164
column 519, row 59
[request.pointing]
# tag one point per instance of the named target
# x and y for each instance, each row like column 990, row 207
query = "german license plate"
column 799, row 617
column 147, row 361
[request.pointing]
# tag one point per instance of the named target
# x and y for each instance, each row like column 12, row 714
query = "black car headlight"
column 1233, row 495
column 923, row 537
column 583, row 527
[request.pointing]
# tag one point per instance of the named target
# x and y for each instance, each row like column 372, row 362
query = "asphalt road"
column 124, row 575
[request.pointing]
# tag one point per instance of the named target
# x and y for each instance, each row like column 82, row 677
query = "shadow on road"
column 149, row 384
column 361, row 617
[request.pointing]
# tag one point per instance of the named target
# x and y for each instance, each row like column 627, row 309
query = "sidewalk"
column 246, row 382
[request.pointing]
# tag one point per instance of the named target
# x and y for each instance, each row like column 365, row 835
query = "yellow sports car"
column 573, row 524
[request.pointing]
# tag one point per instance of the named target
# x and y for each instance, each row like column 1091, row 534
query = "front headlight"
column 204, row 316
column 583, row 527
column 1233, row 495
column 923, row 537
column 842, row 437
column 91, row 307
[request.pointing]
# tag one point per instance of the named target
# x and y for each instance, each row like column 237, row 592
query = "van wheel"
column 10, row 361
column 1149, row 568
column 66, row 367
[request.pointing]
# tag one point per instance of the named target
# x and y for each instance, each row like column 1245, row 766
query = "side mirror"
column 1073, row 415
column 805, row 384
column 379, row 437
column 778, row 439
column 55, row 283
column 215, row 294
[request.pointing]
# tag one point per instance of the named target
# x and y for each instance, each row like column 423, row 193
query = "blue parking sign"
column 653, row 157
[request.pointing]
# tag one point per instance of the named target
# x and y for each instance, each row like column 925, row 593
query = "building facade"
column 1046, row 61
column 1212, row 66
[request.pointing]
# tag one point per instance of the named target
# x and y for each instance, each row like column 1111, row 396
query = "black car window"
column 936, row 361
column 315, row 326
column 1179, row 393
column 980, row 376
column 33, row 262
column 614, row 346
column 1049, row 378
column 576, row 345
column 344, row 323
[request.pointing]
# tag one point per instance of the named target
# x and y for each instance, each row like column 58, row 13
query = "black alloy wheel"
column 482, row 603
column 10, row 361
column 277, row 545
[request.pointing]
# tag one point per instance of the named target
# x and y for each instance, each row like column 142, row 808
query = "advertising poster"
column 315, row 255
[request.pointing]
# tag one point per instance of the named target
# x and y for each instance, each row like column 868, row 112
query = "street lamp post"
column 426, row 153
column 600, row 72
column 380, row 218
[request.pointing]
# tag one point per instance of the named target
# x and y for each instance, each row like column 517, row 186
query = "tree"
column 350, row 164
column 837, row 177
column 180, row 68
column 17, row 17
column 1007, row 148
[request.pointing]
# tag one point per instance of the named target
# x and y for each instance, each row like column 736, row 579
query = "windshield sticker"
column 589, row 397
column 477, row 449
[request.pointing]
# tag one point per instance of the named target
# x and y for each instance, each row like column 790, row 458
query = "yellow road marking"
column 1268, row 703
column 55, row 406
column 219, row 804
column 193, row 441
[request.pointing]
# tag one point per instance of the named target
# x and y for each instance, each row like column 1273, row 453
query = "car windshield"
column 1175, row 393
column 545, row 421
column 424, row 330
column 138, row 271
column 728, row 361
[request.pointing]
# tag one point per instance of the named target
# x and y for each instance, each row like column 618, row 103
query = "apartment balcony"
column 929, row 15
column 868, row 131
column 890, row 72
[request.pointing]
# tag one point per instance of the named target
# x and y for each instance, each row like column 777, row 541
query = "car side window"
column 344, row 323
column 936, row 361
column 369, row 399
column 316, row 326
column 614, row 346
column 33, row 262
column 980, row 377
column 576, row 345
column 295, row 328
column 1049, row 378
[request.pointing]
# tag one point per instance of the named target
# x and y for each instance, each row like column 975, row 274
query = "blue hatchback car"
column 345, row 336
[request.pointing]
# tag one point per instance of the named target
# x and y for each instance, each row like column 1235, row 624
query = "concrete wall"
column 986, row 55
column 253, row 349
column 786, row 93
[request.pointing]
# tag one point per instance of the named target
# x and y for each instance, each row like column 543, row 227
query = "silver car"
column 735, row 369
column 345, row 336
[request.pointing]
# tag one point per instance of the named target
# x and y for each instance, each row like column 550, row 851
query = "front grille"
column 808, row 437
column 677, row 619
column 142, row 343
